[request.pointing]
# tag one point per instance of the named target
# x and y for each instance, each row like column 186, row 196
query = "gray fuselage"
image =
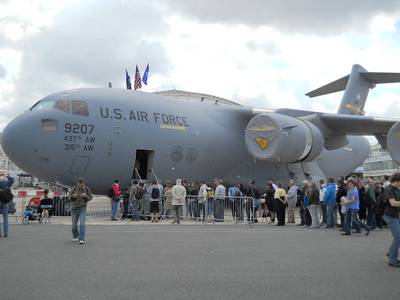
column 193, row 140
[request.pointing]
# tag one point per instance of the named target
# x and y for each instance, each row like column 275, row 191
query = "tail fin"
column 356, row 85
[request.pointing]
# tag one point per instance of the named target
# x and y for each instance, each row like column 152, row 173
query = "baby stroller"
column 31, row 212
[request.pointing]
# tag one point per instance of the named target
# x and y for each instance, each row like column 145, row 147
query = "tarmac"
column 187, row 261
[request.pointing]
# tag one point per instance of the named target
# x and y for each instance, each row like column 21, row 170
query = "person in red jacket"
column 115, row 200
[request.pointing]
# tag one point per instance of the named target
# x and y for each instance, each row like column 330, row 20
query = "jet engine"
column 393, row 142
column 279, row 138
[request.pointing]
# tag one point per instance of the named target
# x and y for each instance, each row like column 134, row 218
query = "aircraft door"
column 143, row 164
column 79, row 165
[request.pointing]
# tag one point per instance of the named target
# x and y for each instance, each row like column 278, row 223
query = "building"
column 379, row 162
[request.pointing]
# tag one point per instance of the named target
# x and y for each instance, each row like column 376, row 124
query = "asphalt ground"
column 39, row 261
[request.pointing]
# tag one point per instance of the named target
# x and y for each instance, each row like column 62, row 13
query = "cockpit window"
column 49, row 125
column 79, row 107
column 42, row 104
column 62, row 105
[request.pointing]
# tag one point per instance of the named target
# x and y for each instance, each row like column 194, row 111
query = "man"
column 155, row 191
column 370, row 199
column 251, row 203
column 219, row 195
column 135, row 195
column 79, row 197
column 322, row 190
column 6, row 197
column 178, row 200
column 116, row 193
column 301, row 196
column 234, row 195
column 291, row 201
column 353, row 204
column 392, row 217
column 330, row 203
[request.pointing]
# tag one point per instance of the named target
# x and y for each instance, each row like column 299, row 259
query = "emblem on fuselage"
column 176, row 154
column 191, row 154
column 263, row 143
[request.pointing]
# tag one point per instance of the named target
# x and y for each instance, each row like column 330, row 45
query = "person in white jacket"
column 202, row 196
column 178, row 199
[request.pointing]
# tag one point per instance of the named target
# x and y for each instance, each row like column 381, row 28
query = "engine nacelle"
column 278, row 138
column 393, row 142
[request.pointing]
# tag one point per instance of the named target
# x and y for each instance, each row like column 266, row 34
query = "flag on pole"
column 145, row 75
column 128, row 80
column 138, row 81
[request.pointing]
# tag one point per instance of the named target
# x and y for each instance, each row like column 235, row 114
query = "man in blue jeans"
column 330, row 203
column 392, row 217
column 353, row 203
column 115, row 200
column 79, row 197
column 5, row 199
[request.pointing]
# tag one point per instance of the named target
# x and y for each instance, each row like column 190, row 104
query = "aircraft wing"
column 357, row 125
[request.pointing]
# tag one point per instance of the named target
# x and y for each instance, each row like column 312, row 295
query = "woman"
column 168, row 199
column 280, row 203
column 313, row 204
column 340, row 192
column 362, row 213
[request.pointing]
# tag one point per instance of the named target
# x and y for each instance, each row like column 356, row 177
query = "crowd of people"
column 321, row 205
column 351, row 204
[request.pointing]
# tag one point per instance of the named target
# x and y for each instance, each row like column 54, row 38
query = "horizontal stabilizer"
column 379, row 77
column 332, row 87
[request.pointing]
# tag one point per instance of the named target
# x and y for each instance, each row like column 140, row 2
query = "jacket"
column 330, row 194
column 313, row 197
column 202, row 195
column 80, row 197
column 116, row 190
column 292, row 194
column 178, row 194
column 220, row 192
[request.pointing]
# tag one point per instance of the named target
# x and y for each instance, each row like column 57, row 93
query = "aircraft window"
column 49, row 125
column 62, row 105
column 79, row 107
column 43, row 105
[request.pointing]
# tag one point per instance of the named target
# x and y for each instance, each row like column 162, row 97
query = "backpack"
column 11, row 208
column 237, row 194
column 380, row 203
column 370, row 200
column 6, row 195
column 155, row 193
column 110, row 192
column 139, row 193
column 210, row 193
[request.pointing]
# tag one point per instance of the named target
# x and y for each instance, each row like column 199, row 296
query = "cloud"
column 89, row 44
column 3, row 72
column 311, row 16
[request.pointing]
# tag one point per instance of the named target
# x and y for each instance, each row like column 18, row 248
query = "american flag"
column 138, row 81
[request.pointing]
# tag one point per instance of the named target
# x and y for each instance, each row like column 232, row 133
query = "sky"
column 261, row 53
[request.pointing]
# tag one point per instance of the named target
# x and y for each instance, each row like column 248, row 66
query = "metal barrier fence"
column 213, row 209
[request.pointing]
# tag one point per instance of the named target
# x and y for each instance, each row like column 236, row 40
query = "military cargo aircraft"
column 107, row 133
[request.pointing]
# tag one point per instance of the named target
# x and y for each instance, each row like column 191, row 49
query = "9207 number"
column 78, row 128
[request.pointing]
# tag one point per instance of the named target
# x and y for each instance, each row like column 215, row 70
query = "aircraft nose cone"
column 14, row 140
